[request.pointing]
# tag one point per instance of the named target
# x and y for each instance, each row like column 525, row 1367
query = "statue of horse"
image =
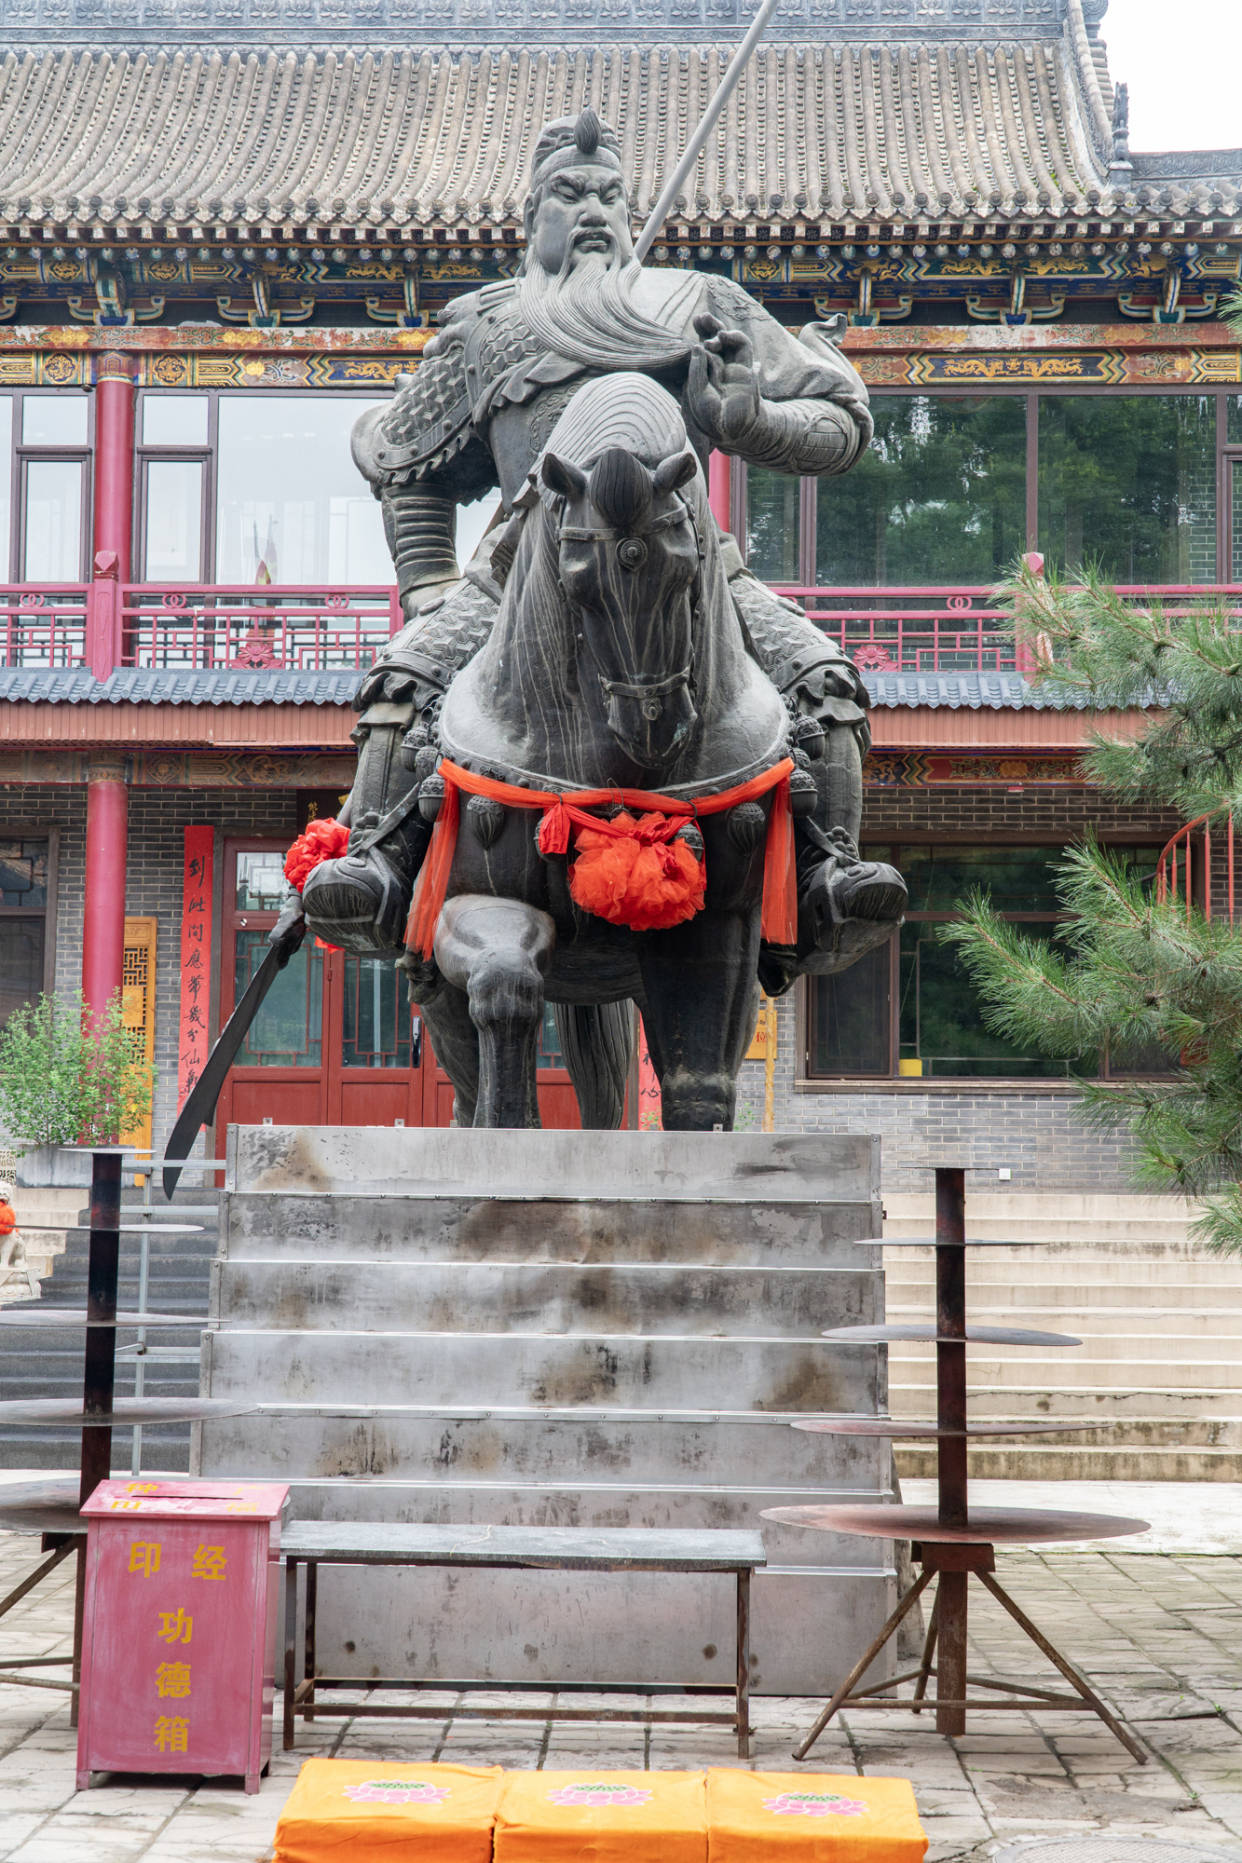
column 612, row 790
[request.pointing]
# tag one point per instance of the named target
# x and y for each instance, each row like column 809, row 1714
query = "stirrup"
column 357, row 902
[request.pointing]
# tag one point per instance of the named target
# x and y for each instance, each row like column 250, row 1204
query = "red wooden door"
column 335, row 1042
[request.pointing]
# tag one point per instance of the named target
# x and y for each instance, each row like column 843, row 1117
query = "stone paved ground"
column 1161, row 1635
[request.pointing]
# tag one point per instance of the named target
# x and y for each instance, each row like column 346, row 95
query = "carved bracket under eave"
column 1018, row 312
column 112, row 308
column 408, row 316
column 264, row 312
column 1170, row 309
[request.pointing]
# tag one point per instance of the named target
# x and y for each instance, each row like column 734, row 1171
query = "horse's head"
column 628, row 550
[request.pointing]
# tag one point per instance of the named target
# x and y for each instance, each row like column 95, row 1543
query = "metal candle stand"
column 51, row 1507
column 951, row 1541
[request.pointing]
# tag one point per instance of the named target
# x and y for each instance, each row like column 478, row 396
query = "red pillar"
column 720, row 489
column 103, row 917
column 114, row 459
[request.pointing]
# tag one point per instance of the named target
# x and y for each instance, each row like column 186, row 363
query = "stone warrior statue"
column 478, row 413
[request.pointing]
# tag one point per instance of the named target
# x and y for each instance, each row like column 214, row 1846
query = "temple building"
column 226, row 226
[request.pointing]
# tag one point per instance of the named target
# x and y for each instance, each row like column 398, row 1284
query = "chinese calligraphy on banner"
column 195, row 958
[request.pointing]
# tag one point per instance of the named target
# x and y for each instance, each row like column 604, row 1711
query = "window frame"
column 807, row 1081
column 23, row 452
column 209, row 452
column 1227, row 452
column 37, row 831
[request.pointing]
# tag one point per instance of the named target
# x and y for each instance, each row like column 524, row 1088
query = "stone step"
column 1174, row 1332
column 1060, row 1364
column 1124, row 1461
column 1076, row 1287
column 669, row 1231
column 693, row 1168
column 446, row 1297
column 499, row 1368
column 915, row 1398
column 410, row 1441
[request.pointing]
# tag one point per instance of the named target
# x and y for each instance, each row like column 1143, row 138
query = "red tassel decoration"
column 780, row 874
column 432, row 887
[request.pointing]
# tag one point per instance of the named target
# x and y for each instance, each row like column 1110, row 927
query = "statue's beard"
column 586, row 312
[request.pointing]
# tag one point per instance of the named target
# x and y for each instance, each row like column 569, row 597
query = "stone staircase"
column 48, row 1362
column 561, row 1329
column 1160, row 1318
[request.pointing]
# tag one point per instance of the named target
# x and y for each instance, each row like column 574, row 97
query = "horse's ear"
column 562, row 476
column 673, row 472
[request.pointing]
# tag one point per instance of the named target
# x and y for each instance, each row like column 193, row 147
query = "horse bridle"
column 650, row 694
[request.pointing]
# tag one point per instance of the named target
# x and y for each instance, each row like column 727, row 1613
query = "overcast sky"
column 1183, row 62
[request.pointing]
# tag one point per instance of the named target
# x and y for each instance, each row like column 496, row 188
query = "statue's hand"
column 722, row 390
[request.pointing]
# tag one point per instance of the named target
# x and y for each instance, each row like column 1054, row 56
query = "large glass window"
column 939, row 497
column 954, row 488
column 24, row 868
column 772, row 522
column 173, row 528
column 1128, row 482
column 910, row 1007
column 291, row 506
column 53, row 518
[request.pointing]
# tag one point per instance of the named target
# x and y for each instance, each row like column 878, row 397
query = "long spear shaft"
column 694, row 148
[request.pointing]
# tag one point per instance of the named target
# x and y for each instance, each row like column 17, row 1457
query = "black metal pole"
column 99, row 1374
column 951, row 1450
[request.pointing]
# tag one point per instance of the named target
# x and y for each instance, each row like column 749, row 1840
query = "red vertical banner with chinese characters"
column 179, row 1631
column 195, row 958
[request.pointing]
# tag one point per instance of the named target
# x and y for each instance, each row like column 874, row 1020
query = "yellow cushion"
column 602, row 1817
column 379, row 1811
column 757, row 1817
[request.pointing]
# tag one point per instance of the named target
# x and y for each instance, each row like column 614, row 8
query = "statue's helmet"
column 567, row 142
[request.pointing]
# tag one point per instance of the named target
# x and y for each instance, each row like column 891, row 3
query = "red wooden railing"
column 1185, row 870
column 104, row 624
column 957, row 629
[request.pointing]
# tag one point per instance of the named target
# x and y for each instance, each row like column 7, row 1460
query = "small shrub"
column 69, row 1078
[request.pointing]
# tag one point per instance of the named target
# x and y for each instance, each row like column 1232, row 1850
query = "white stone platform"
column 571, row 1329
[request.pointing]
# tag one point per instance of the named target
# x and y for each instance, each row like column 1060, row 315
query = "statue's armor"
column 477, row 413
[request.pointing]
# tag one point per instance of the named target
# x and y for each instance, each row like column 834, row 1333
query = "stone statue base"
column 559, row 1328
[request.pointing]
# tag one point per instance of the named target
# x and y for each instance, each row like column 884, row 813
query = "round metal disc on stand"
column 125, row 1411
column 969, row 1242
column 40, row 1506
column 916, row 1431
column 123, row 1229
column 954, row 1542
column 926, row 1331
column 987, row 1525
column 78, row 1316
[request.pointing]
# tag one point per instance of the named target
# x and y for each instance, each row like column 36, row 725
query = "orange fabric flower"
column 324, row 839
column 8, row 1222
column 635, row 873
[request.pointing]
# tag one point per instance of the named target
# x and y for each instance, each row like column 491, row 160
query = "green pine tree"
column 1156, row 987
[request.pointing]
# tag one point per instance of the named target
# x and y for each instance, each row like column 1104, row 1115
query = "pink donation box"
column 179, row 1637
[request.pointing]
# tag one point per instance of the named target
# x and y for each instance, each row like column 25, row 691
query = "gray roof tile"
column 964, row 125
column 146, row 686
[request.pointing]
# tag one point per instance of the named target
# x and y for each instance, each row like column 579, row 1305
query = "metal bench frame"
column 563, row 1549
